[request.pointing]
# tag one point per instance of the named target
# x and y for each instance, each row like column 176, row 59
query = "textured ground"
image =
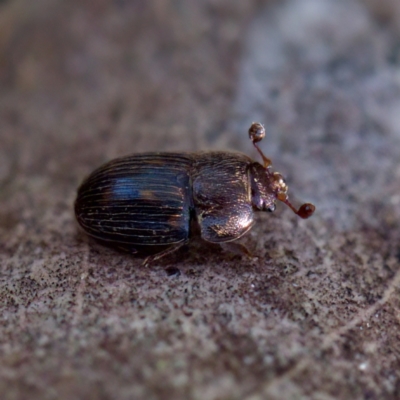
column 316, row 313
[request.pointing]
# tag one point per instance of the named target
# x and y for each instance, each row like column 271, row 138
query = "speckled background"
column 315, row 314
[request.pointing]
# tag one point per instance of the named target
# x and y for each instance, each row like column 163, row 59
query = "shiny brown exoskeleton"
column 148, row 203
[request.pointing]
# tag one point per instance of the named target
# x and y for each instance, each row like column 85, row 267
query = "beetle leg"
column 164, row 253
column 236, row 248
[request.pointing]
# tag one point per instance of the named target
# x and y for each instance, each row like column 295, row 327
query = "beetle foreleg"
column 236, row 248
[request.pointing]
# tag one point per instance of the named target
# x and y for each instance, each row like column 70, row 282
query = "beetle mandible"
column 152, row 203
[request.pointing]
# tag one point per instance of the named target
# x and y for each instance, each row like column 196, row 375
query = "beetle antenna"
column 305, row 211
column 256, row 134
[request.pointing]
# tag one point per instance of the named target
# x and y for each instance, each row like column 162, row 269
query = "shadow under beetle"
column 152, row 203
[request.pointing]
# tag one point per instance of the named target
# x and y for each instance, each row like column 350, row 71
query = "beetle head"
column 266, row 185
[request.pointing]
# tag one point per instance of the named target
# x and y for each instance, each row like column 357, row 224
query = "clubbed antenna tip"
column 305, row 211
column 256, row 134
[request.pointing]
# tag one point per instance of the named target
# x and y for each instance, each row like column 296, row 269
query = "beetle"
column 151, row 204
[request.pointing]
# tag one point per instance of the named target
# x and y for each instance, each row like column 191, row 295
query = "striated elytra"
column 153, row 203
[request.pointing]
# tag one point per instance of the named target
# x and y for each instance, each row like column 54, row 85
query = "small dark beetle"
column 152, row 203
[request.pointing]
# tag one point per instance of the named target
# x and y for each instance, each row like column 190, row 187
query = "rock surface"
column 316, row 313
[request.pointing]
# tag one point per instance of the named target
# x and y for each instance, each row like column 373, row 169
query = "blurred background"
column 315, row 314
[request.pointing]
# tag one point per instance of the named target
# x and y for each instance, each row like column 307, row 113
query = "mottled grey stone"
column 315, row 313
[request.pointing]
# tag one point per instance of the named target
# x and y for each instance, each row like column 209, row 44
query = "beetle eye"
column 270, row 208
